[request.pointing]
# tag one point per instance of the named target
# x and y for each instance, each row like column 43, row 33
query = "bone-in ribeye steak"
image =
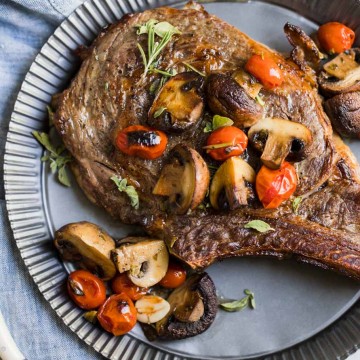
column 105, row 96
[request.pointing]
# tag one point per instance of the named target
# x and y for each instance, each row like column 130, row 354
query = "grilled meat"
column 110, row 93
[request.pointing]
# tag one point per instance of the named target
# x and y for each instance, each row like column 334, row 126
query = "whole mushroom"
column 193, row 307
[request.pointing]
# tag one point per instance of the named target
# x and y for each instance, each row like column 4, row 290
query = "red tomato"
column 118, row 314
column 275, row 186
column 122, row 284
column 226, row 142
column 335, row 37
column 86, row 289
column 141, row 141
column 265, row 70
column 174, row 277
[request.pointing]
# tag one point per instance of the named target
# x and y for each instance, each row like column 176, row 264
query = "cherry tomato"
column 265, row 70
column 174, row 277
column 141, row 141
column 275, row 186
column 335, row 37
column 86, row 289
column 122, row 284
column 118, row 314
column 226, row 142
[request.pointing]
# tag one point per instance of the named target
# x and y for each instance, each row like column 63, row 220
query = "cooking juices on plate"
column 213, row 144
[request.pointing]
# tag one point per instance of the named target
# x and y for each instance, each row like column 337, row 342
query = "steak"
column 109, row 93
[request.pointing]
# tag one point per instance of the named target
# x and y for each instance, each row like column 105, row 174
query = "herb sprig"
column 129, row 190
column 165, row 32
column 238, row 305
column 55, row 156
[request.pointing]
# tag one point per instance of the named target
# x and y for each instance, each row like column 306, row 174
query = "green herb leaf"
column 129, row 190
column 91, row 316
column 260, row 100
column 218, row 146
column 63, row 176
column 217, row 122
column 296, row 204
column 56, row 159
column 221, row 121
column 159, row 111
column 238, row 305
column 163, row 27
column 106, row 86
column 50, row 115
column 194, row 69
column 164, row 31
column 258, row 225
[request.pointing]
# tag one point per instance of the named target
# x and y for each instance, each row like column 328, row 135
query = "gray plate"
column 294, row 301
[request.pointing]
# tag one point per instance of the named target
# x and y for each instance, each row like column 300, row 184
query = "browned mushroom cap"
column 88, row 246
column 226, row 97
column 229, row 185
column 344, row 113
column 305, row 51
column 280, row 139
column 184, row 179
column 342, row 74
column 179, row 104
column 193, row 308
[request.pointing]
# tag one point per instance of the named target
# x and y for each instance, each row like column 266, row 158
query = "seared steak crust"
column 109, row 94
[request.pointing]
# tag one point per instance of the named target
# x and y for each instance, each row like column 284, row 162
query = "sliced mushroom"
column 305, row 52
column 184, row 180
column 193, row 307
column 229, row 187
column 280, row 139
column 342, row 74
column 226, row 97
column 179, row 104
column 88, row 245
column 248, row 82
column 344, row 113
column 146, row 260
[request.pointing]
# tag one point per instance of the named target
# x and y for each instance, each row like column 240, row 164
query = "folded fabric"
column 25, row 25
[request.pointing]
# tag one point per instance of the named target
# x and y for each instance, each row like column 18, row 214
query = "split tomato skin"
column 265, row 70
column 118, row 314
column 86, row 290
column 141, row 141
column 174, row 277
column 275, row 186
column 335, row 37
column 235, row 140
column 122, row 284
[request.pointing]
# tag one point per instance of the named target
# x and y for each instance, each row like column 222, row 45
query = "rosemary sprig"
column 152, row 28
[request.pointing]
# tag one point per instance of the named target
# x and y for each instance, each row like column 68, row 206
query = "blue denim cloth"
column 39, row 333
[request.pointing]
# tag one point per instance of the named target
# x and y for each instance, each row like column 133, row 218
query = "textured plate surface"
column 294, row 301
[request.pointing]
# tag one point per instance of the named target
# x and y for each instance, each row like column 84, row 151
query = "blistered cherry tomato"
column 265, row 70
column 226, row 142
column 118, row 314
column 122, row 284
column 275, row 186
column 86, row 289
column 335, row 37
column 141, row 141
column 174, row 277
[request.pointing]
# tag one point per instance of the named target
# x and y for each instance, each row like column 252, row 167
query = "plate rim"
column 7, row 180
